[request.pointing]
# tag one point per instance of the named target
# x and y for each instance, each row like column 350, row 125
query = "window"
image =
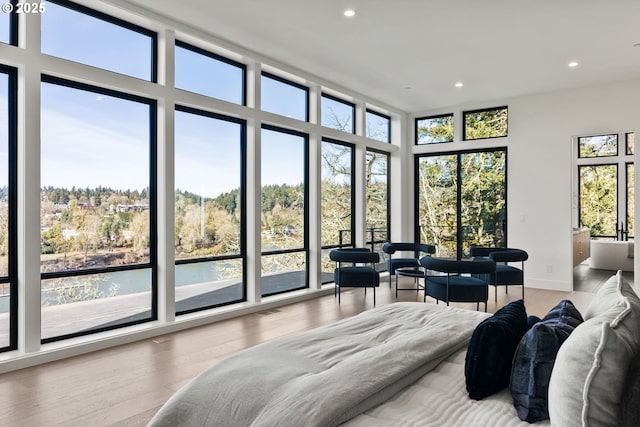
column 338, row 114
column 605, row 185
column 598, row 199
column 284, row 210
column 598, row 146
column 283, row 97
column 378, row 126
column 9, row 26
column 98, row 227
column 377, row 199
column 461, row 200
column 486, row 123
column 8, row 210
column 209, row 221
column 434, row 129
column 337, row 200
column 80, row 34
column 208, row 74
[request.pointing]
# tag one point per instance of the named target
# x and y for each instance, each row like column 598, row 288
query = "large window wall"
column 153, row 180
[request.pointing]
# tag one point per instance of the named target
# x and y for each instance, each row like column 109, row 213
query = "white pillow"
column 590, row 370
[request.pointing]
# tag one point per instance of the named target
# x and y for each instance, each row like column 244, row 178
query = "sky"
column 90, row 139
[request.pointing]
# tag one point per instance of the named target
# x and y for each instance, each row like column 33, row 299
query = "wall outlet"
column 549, row 268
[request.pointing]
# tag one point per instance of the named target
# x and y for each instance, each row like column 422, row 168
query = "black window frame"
column 458, row 154
column 595, row 165
column 305, row 247
column 627, row 135
column 243, row 214
column 617, row 153
column 153, row 78
column 215, row 56
column 436, row 116
column 341, row 101
column 12, row 277
column 482, row 110
column 290, row 83
column 384, row 116
column 152, row 265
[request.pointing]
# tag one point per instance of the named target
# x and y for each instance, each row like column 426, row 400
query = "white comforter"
column 439, row 399
column 328, row 375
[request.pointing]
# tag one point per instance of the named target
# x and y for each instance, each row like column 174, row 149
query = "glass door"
column 461, row 200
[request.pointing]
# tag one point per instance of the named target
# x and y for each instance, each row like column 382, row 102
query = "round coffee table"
column 416, row 272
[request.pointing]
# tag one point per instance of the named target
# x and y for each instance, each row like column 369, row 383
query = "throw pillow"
column 534, row 360
column 491, row 349
column 588, row 379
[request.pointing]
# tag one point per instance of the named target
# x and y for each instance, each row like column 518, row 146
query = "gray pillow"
column 590, row 371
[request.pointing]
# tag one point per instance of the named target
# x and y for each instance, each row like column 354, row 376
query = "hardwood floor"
column 125, row 385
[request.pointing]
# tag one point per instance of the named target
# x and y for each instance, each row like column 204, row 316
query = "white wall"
column 540, row 166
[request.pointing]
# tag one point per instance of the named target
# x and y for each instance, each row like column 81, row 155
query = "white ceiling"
column 410, row 53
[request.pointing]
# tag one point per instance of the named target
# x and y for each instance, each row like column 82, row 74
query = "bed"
column 399, row 364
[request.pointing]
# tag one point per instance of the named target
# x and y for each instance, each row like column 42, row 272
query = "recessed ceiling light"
column 349, row 13
column 573, row 64
column 459, row 84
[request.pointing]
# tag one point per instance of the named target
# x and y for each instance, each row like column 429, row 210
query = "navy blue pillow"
column 534, row 360
column 490, row 353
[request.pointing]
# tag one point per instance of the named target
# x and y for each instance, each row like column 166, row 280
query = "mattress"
column 440, row 399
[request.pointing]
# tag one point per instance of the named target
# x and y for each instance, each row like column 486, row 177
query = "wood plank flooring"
column 125, row 385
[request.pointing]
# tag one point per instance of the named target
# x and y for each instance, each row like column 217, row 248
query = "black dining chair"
column 458, row 280
column 506, row 273
column 415, row 249
column 355, row 268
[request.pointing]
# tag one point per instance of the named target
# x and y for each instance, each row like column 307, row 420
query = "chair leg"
column 338, row 287
column 523, row 292
column 374, row 296
column 496, row 293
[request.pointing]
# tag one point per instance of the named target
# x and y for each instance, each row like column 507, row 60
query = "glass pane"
column 490, row 123
column 208, row 217
column 598, row 188
column 207, row 75
column 483, row 197
column 630, row 199
column 4, row 179
column 337, row 114
column 284, row 98
column 598, row 146
column 206, row 284
column 436, row 129
column 283, row 190
column 73, row 305
column 95, row 171
column 378, row 126
column 630, row 137
column 437, row 211
column 208, row 175
column 79, row 37
column 5, row 286
column 337, row 200
column 283, row 272
column 5, row 27
column 377, row 196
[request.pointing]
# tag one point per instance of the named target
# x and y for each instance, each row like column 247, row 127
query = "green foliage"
column 486, row 124
column 598, row 199
column 435, row 129
column 598, row 146
column 482, row 197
